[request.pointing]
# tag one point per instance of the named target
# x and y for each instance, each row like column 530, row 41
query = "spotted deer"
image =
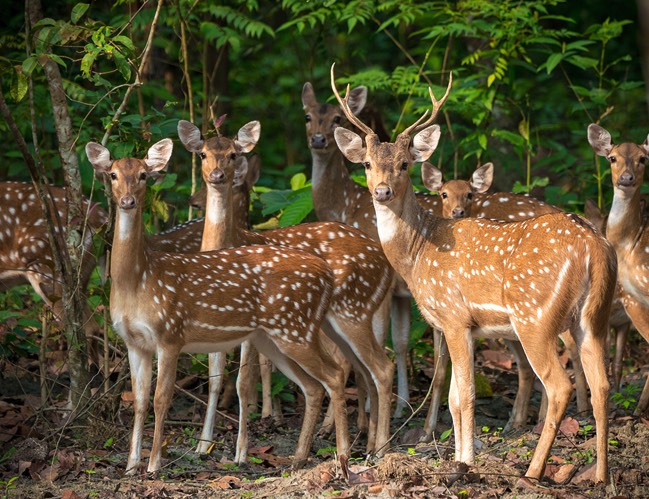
column 362, row 274
column 527, row 281
column 167, row 303
column 626, row 228
column 469, row 198
column 619, row 322
column 25, row 250
column 338, row 198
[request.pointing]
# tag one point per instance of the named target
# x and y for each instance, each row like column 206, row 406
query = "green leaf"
column 582, row 62
column 125, row 41
column 552, row 62
column 298, row 181
column 296, row 212
column 29, row 65
column 122, row 65
column 89, row 59
column 78, row 11
column 19, row 86
column 482, row 140
column 490, row 79
column 57, row 60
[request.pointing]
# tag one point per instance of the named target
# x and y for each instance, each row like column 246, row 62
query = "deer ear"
column 240, row 171
column 308, row 96
column 99, row 157
column 158, row 155
column 599, row 139
column 594, row 214
column 482, row 178
column 350, row 144
column 248, row 136
column 425, row 143
column 645, row 144
column 253, row 171
column 190, row 136
column 357, row 99
column 431, row 177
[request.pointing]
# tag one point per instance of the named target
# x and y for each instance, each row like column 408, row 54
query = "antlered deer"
column 528, row 281
column 168, row 303
column 626, row 228
column 337, row 198
column 362, row 273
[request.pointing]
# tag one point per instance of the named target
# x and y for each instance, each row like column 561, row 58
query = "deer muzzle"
column 127, row 202
column 457, row 213
column 216, row 176
column 318, row 141
column 383, row 193
column 626, row 179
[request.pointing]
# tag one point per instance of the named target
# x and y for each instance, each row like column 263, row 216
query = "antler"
column 437, row 105
column 344, row 104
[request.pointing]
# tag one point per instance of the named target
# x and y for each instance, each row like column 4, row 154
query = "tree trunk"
column 73, row 295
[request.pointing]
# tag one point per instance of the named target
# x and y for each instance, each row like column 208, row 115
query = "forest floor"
column 43, row 457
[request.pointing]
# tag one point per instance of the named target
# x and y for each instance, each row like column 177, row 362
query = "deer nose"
column 318, row 141
column 216, row 176
column 127, row 202
column 382, row 193
column 458, row 213
column 626, row 179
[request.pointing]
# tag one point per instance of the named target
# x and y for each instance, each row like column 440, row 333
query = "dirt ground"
column 42, row 457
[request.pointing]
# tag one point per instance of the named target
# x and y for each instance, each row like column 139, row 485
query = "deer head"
column 457, row 195
column 387, row 164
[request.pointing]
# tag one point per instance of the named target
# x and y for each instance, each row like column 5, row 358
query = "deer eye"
column 366, row 164
column 469, row 195
column 202, row 155
column 643, row 160
column 404, row 165
column 444, row 195
column 337, row 120
column 233, row 156
column 307, row 118
column 113, row 176
column 143, row 176
column 612, row 159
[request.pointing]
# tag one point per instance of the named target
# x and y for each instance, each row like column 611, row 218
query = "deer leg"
column 216, row 368
column 581, row 387
column 245, row 386
column 141, row 370
column 327, row 426
column 542, row 355
column 164, row 390
column 639, row 315
column 441, row 364
column 621, row 335
column 461, row 397
column 400, row 339
column 266, row 368
column 593, row 352
column 526, row 376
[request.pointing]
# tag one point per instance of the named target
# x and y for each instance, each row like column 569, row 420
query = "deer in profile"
column 362, row 274
column 338, row 198
column 167, row 303
column 626, row 228
column 527, row 281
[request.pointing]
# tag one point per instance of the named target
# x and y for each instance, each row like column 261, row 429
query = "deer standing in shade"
column 362, row 273
column 527, row 281
column 168, row 303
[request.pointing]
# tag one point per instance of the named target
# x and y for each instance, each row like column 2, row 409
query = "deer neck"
column 217, row 233
column 625, row 218
column 128, row 261
column 402, row 228
column 332, row 186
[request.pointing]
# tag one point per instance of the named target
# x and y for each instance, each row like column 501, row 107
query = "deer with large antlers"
column 626, row 228
column 168, row 303
column 338, row 198
column 361, row 271
column 469, row 198
column 25, row 249
column 527, row 281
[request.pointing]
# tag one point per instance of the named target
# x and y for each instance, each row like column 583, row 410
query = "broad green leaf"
column 122, row 65
column 553, row 61
column 57, row 60
column 124, row 40
column 89, row 59
column 300, row 206
column 78, row 11
column 490, row 79
column 582, row 62
column 19, row 86
column 298, row 181
column 482, row 140
column 29, row 65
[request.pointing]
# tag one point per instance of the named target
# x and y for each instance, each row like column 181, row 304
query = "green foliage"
column 626, row 398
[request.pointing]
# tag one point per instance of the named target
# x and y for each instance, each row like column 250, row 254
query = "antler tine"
column 437, row 105
column 344, row 104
